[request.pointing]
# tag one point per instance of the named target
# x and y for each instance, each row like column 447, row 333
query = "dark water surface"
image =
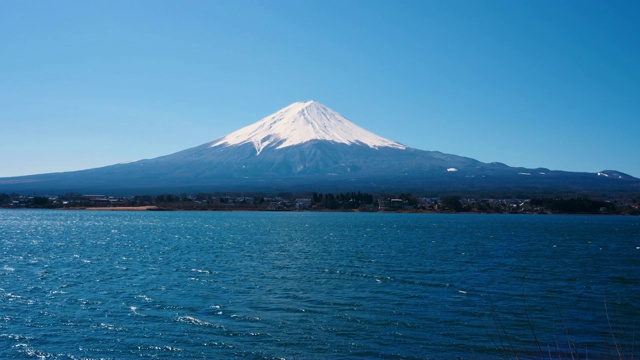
column 119, row 285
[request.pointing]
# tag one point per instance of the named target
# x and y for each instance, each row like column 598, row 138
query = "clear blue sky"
column 551, row 84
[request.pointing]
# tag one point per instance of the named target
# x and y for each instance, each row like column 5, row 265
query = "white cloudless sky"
column 552, row 84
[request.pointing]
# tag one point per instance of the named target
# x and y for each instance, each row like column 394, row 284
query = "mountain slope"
column 309, row 147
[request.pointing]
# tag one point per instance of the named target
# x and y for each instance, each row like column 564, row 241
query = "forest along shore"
column 351, row 202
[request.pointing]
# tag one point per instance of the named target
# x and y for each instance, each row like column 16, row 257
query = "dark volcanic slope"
column 318, row 166
column 309, row 147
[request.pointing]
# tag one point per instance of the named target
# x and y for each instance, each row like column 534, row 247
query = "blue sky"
column 551, row 84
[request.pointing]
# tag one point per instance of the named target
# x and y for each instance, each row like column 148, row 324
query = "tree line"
column 349, row 200
column 575, row 205
column 343, row 201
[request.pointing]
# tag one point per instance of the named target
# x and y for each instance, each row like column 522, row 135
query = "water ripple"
column 90, row 285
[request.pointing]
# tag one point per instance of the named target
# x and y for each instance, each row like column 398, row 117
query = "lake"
column 306, row 285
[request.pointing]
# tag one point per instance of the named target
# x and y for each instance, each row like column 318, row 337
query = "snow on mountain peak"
column 301, row 122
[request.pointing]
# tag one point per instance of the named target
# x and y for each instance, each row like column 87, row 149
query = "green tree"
column 40, row 201
column 452, row 203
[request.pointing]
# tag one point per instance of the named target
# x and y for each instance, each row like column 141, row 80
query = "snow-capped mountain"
column 308, row 147
column 302, row 122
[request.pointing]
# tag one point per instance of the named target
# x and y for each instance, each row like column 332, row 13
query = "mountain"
column 308, row 147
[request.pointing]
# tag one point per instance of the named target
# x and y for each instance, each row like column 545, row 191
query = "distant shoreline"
column 341, row 202
column 156, row 208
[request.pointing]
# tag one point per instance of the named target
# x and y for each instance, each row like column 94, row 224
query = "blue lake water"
column 268, row 285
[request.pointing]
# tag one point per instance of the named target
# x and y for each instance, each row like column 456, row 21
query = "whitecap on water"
column 195, row 321
column 31, row 352
column 252, row 318
column 134, row 310
column 201, row 271
column 110, row 327
column 144, row 297
column 15, row 337
column 166, row 348
column 13, row 296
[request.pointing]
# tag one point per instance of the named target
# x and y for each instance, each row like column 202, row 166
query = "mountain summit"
column 302, row 122
column 308, row 147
